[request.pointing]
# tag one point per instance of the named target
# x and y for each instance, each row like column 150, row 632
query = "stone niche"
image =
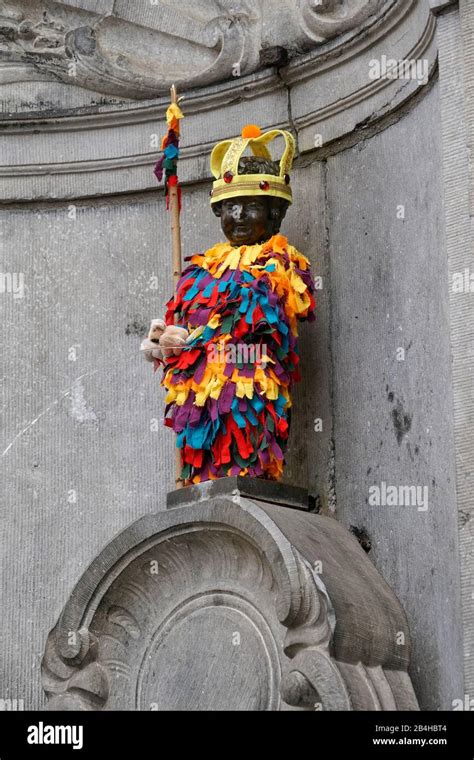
column 365, row 145
column 234, row 598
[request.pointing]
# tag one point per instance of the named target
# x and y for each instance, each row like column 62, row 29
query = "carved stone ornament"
column 230, row 602
column 113, row 55
column 324, row 95
column 137, row 50
column 322, row 19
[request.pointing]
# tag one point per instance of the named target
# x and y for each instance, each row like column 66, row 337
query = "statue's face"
column 246, row 220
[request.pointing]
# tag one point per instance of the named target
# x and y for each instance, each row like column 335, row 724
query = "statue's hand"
column 150, row 346
column 150, row 350
column 173, row 340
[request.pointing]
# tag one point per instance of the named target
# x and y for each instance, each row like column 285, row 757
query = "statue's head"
column 251, row 194
column 250, row 219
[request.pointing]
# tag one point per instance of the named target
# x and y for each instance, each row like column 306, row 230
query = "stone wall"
column 84, row 450
column 393, row 402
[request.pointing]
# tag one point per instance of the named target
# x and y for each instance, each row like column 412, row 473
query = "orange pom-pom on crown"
column 251, row 130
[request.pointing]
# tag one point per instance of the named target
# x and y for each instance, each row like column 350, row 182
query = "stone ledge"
column 236, row 488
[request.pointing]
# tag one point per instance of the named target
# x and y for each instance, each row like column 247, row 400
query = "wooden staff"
column 173, row 195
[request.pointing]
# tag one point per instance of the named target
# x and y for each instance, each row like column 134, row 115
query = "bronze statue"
column 232, row 357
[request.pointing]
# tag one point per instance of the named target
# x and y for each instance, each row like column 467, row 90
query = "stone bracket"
column 281, row 603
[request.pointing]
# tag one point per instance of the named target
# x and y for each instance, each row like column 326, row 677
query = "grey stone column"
column 456, row 60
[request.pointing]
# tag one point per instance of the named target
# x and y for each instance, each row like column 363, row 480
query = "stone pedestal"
column 236, row 597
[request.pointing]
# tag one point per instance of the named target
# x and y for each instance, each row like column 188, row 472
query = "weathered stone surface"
column 110, row 148
column 84, row 451
column 137, row 50
column 238, row 488
column 322, row 19
column 333, row 95
column 392, row 401
column 216, row 605
column 456, row 35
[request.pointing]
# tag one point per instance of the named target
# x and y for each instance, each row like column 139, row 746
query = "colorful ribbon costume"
column 229, row 390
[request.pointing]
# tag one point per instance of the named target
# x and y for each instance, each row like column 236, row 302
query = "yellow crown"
column 225, row 166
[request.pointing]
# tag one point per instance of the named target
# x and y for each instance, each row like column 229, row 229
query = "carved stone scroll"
column 114, row 56
column 323, row 19
column 137, row 50
column 209, row 606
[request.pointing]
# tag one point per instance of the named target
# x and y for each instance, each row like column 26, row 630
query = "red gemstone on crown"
column 264, row 185
column 228, row 177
